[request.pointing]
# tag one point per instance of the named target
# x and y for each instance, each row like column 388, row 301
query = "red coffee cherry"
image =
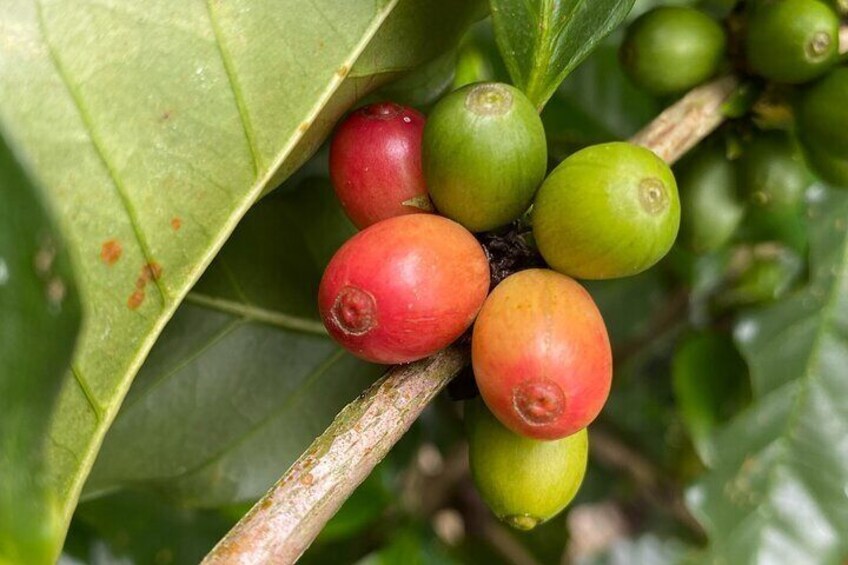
column 375, row 163
column 403, row 288
column 541, row 355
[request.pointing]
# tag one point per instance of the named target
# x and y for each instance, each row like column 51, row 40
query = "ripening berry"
column 541, row 355
column 404, row 288
column 375, row 163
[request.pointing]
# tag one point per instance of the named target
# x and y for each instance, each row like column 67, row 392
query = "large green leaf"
column 541, row 41
column 777, row 492
column 39, row 320
column 244, row 377
column 156, row 125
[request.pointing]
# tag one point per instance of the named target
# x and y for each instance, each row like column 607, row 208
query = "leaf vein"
column 87, row 123
column 235, row 88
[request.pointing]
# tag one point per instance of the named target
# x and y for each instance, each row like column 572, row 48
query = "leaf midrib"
column 828, row 310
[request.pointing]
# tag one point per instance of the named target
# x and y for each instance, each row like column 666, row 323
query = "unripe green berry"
column 823, row 126
column 484, row 155
column 772, row 172
column 671, row 49
column 524, row 481
column 792, row 41
column 607, row 211
column 710, row 206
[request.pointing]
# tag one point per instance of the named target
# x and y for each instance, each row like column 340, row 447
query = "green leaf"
column 777, row 492
column 542, row 41
column 244, row 377
column 137, row 527
column 710, row 379
column 155, row 126
column 39, row 320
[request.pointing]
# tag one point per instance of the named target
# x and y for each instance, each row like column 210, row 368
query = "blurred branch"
column 652, row 482
column 280, row 527
column 692, row 118
column 843, row 40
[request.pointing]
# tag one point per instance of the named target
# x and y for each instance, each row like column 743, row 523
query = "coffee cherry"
column 524, row 481
column 792, row 41
column 609, row 210
column 671, row 49
column 484, row 155
column 541, row 355
column 375, row 163
column 772, row 172
column 823, row 126
column 403, row 288
column 711, row 209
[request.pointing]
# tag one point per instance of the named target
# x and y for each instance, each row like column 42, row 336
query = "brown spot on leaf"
column 176, row 223
column 307, row 479
column 150, row 272
column 342, row 71
column 135, row 299
column 303, row 127
column 166, row 115
column 111, row 251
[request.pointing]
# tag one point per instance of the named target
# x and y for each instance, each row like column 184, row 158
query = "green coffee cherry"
column 484, row 155
column 782, row 225
column 772, row 172
column 823, row 126
column 671, row 49
column 524, row 481
column 767, row 277
column 607, row 211
column 710, row 205
column 792, row 41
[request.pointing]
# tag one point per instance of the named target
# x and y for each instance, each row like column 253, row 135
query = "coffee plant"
column 399, row 281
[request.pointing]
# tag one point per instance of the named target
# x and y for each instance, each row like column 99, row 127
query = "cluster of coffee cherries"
column 789, row 46
column 415, row 278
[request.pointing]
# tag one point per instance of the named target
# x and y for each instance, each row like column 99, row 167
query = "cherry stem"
column 282, row 525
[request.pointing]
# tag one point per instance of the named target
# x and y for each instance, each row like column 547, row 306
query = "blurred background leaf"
column 777, row 489
column 39, row 321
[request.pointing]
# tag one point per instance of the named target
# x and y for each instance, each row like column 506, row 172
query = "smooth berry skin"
column 484, row 155
column 541, row 355
column 404, row 288
column 524, row 481
column 671, row 49
column 792, row 41
column 375, row 163
column 822, row 118
column 607, row 211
